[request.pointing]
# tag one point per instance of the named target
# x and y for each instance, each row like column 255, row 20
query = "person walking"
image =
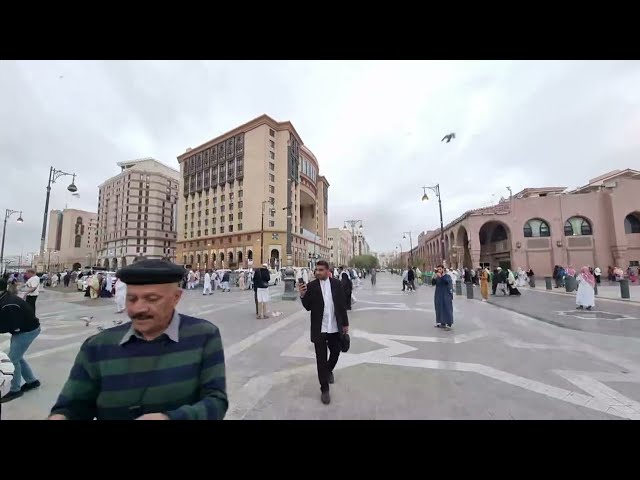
column 411, row 278
column 596, row 273
column 225, row 282
column 443, row 298
column 325, row 298
column 191, row 280
column 121, row 294
column 405, row 279
column 18, row 319
column 162, row 365
column 484, row 284
column 31, row 288
column 373, row 277
column 261, row 279
column 586, row 297
column 206, row 290
column 347, row 286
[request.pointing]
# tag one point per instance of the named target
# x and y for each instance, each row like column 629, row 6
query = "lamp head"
column 425, row 197
column 20, row 220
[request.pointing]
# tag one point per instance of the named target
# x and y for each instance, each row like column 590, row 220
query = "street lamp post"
column 53, row 176
column 353, row 224
column 425, row 197
column 404, row 235
column 401, row 262
column 7, row 214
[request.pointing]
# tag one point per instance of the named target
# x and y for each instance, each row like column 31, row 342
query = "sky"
column 375, row 127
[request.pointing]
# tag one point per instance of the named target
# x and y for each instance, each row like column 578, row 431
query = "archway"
column 239, row 259
column 632, row 223
column 463, row 248
column 250, row 257
column 495, row 244
column 76, row 266
column 114, row 264
column 105, row 264
column 123, row 262
column 230, row 257
column 213, row 260
column 191, row 260
column 198, row 260
column 206, row 260
column 274, row 257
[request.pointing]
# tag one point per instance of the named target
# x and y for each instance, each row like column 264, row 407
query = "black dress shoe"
column 30, row 386
column 11, row 396
column 325, row 397
column 331, row 379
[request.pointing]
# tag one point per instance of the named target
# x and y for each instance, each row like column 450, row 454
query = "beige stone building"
column 244, row 191
column 71, row 239
column 137, row 214
column 340, row 247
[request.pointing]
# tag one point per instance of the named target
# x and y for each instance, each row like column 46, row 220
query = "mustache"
column 141, row 316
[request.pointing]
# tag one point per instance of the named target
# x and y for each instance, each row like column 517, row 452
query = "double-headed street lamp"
column 7, row 214
column 353, row 224
column 53, row 176
column 425, row 197
column 404, row 235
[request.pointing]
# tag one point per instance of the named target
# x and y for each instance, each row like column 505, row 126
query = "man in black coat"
column 324, row 297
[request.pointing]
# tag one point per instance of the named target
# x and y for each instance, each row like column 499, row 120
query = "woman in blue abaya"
column 443, row 298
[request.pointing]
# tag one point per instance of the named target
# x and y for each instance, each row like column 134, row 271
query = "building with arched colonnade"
column 597, row 224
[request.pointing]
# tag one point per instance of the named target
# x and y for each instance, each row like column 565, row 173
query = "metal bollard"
column 547, row 283
column 595, row 289
column 458, row 287
column 532, row 282
column 470, row 291
column 570, row 284
column 624, row 288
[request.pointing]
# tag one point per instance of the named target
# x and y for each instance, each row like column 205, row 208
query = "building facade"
column 71, row 239
column 137, row 213
column 340, row 247
column 246, row 194
column 596, row 225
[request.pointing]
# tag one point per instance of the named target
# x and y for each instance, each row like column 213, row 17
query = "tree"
column 365, row 261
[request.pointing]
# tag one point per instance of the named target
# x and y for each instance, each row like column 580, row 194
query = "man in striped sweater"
column 161, row 366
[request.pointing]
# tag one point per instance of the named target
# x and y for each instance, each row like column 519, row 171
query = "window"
column 206, row 212
column 206, row 231
column 632, row 223
column 230, row 228
column 272, row 144
column 239, row 215
column 221, row 208
column 577, row 226
column 272, row 166
column 206, row 222
column 221, row 229
column 230, row 195
column 272, row 155
column 272, row 223
column 536, row 228
column 198, row 232
column 78, row 241
column 272, row 189
column 272, row 177
column 272, row 133
column 213, row 230
column 213, row 210
column 239, row 227
column 240, row 203
column 222, row 198
column 272, row 200
column 206, row 202
column 272, row 212
column 186, row 216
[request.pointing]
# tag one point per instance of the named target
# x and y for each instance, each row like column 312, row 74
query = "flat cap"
column 151, row 272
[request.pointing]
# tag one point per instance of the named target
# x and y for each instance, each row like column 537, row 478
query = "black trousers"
column 31, row 300
column 255, row 299
column 325, row 367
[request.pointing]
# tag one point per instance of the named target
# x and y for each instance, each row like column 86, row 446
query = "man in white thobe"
column 207, row 284
column 196, row 279
column 190, row 278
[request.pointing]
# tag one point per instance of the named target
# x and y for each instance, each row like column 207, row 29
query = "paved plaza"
column 531, row 357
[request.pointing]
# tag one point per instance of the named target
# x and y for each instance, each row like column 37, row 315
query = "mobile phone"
column 300, row 281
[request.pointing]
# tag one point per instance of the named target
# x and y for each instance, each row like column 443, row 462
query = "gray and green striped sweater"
column 114, row 381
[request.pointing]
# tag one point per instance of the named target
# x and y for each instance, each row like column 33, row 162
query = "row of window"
column 575, row 226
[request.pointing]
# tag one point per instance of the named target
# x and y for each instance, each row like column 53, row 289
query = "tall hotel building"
column 246, row 194
column 137, row 214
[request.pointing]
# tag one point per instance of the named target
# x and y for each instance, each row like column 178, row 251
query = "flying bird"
column 449, row 137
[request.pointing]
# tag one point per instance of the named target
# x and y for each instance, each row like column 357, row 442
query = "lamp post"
column 404, row 235
column 53, row 176
column 400, row 247
column 271, row 210
column 425, row 197
column 7, row 214
column 353, row 224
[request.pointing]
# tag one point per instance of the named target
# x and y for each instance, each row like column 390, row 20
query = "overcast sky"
column 375, row 128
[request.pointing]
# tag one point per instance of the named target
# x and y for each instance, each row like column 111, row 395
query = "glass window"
column 536, row 228
column 577, row 226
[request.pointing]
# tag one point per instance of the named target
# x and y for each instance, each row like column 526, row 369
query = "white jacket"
column 6, row 374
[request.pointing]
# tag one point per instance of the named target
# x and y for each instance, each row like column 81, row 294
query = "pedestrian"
column 325, row 298
column 596, row 273
column 190, row 280
column 206, row 290
column 411, row 278
column 241, row 281
column 586, row 297
column 531, row 277
column 6, row 377
column 196, row 279
column 121, row 294
column 405, row 279
column 261, row 279
column 521, row 278
column 484, row 284
column 31, row 288
column 225, row 282
column 373, row 277
column 18, row 318
column 443, row 298
column 161, row 366
column 511, row 283
column 67, row 278
column 347, row 286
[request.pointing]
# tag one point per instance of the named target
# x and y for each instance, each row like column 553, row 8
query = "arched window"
column 78, row 242
column 499, row 233
column 632, row 223
column 577, row 226
column 536, row 228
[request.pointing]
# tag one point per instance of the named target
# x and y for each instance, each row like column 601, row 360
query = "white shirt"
column 329, row 322
column 33, row 282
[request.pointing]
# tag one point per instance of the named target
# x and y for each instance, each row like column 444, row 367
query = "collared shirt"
column 171, row 331
column 329, row 323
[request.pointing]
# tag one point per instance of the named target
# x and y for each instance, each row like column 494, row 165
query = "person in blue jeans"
column 18, row 319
